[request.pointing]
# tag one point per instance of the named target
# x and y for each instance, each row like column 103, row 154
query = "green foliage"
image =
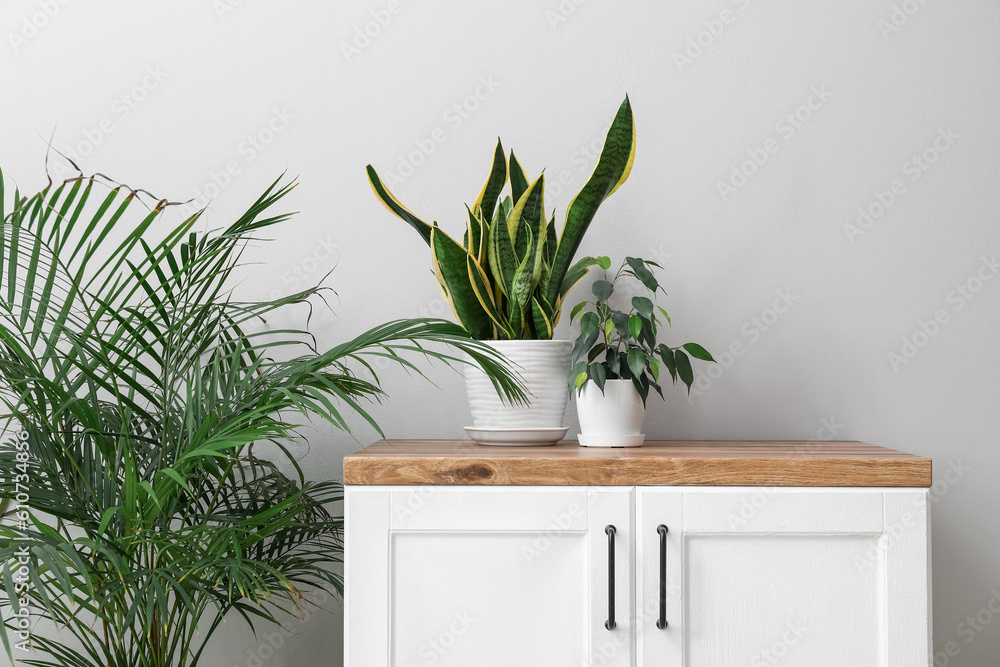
column 154, row 492
column 621, row 345
column 509, row 276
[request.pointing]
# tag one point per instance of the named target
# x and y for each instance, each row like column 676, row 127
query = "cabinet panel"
column 757, row 599
column 757, row 577
column 471, row 598
column 488, row 576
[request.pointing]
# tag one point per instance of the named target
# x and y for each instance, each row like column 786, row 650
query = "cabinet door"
column 487, row 576
column 760, row 577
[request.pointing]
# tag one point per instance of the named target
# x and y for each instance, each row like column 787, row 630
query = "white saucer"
column 517, row 437
column 612, row 440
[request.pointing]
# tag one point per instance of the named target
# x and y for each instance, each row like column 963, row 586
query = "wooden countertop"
column 681, row 463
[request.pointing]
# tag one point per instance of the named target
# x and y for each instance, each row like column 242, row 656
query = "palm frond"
column 142, row 390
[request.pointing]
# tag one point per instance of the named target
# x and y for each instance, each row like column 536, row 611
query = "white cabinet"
column 467, row 576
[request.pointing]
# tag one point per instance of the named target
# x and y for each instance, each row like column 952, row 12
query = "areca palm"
column 149, row 484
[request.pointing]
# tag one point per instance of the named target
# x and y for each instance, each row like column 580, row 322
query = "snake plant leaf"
column 481, row 287
column 453, row 273
column 474, row 236
column 613, row 168
column 506, row 206
column 543, row 323
column 528, row 215
column 551, row 242
column 503, row 263
column 524, row 277
column 395, row 207
column 487, row 199
column 518, row 181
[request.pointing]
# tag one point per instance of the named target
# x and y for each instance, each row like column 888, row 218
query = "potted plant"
column 145, row 473
column 507, row 279
column 617, row 358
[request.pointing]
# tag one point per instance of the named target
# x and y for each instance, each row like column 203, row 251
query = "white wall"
column 232, row 69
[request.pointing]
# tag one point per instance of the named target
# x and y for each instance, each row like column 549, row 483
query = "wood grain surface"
column 680, row 463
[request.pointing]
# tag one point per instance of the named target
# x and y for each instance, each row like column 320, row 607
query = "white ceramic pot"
column 613, row 418
column 544, row 365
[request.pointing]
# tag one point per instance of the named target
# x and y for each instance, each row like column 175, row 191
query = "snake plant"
column 508, row 277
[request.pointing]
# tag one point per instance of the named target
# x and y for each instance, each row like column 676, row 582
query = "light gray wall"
column 898, row 78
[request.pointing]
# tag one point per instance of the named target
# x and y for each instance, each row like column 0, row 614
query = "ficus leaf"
column 697, row 351
column 642, row 273
column 684, row 371
column 636, row 361
column 621, row 322
column 602, row 290
column 666, row 315
column 598, row 374
column 583, row 343
column 589, row 323
column 595, row 352
column 643, row 306
column 635, row 326
column 667, row 355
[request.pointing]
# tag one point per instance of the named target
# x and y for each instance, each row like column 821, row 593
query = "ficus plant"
column 147, row 482
column 619, row 342
column 508, row 277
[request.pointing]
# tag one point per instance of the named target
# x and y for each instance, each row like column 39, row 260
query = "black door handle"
column 610, row 623
column 661, row 622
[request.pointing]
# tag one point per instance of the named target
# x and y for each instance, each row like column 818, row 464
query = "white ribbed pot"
column 612, row 418
column 544, row 365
